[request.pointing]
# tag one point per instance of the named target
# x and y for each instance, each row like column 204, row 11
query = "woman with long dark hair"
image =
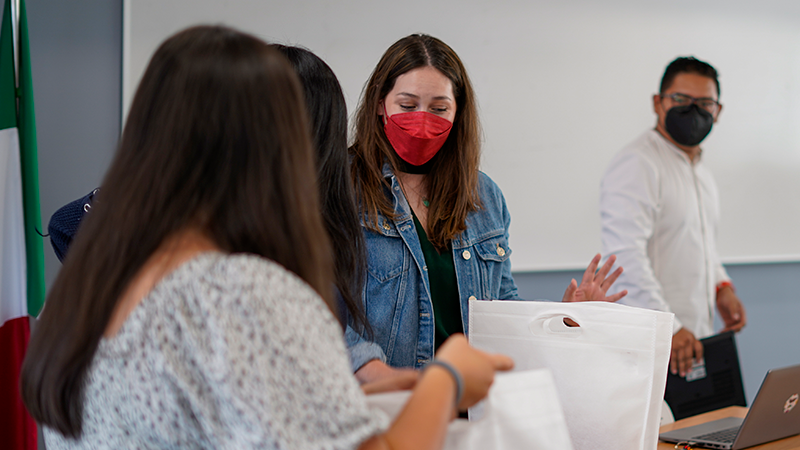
column 194, row 307
column 436, row 227
column 328, row 118
column 328, row 121
column 327, row 112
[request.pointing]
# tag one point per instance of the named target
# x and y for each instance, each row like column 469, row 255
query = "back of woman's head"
column 325, row 103
column 327, row 112
column 455, row 167
column 217, row 141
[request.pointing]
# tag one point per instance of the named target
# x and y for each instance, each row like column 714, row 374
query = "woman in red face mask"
column 436, row 227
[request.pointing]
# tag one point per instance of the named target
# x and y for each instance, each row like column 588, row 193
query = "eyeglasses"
column 709, row 104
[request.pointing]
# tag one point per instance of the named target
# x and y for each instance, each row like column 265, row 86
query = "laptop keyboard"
column 726, row 435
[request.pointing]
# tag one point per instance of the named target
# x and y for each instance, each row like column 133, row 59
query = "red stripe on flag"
column 17, row 427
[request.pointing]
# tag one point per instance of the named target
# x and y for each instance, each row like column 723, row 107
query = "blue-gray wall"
column 76, row 61
column 76, row 52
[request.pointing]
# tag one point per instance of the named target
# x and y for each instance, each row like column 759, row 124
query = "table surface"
column 731, row 411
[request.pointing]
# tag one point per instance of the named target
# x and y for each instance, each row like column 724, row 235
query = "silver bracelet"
column 456, row 377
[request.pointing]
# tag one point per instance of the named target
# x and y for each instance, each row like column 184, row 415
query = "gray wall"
column 76, row 60
column 76, row 56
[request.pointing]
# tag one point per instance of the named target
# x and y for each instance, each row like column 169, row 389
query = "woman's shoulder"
column 217, row 287
column 490, row 193
column 231, row 269
column 486, row 182
column 215, row 299
column 237, row 276
column 491, row 218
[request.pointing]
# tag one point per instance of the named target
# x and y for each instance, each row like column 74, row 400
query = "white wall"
column 562, row 87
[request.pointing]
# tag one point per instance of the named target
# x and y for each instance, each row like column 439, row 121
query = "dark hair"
column 453, row 180
column 688, row 65
column 328, row 119
column 217, row 141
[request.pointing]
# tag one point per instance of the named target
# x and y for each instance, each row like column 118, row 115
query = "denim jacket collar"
column 477, row 228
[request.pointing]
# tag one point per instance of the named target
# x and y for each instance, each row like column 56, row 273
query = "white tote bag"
column 522, row 411
column 610, row 372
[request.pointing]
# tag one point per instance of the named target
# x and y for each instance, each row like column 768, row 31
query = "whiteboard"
column 561, row 88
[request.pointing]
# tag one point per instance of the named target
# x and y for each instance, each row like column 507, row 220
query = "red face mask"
column 416, row 136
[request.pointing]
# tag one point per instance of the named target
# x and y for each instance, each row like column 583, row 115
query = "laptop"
column 775, row 414
column 713, row 383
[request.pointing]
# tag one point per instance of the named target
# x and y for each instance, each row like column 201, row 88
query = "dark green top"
column 444, row 287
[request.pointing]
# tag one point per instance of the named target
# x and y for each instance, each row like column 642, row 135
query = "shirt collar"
column 387, row 170
column 677, row 150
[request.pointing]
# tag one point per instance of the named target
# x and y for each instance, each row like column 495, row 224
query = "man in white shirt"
column 660, row 209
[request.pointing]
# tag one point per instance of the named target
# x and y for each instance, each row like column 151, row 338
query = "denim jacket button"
column 386, row 226
column 466, row 255
column 472, row 298
column 500, row 250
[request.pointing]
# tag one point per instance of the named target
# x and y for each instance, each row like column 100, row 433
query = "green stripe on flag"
column 30, row 171
column 25, row 122
column 8, row 99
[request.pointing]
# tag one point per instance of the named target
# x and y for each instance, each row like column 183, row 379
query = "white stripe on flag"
column 13, row 271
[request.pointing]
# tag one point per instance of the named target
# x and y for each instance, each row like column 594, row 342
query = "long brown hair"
column 216, row 139
column 328, row 119
column 453, row 180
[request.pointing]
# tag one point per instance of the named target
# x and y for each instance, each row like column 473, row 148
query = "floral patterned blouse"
column 227, row 351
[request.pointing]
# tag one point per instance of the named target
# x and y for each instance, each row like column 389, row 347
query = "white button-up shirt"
column 659, row 214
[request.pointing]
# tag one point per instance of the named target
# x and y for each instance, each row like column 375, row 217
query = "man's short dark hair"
column 688, row 65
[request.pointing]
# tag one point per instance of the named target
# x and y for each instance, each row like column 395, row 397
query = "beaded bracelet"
column 724, row 284
column 456, row 377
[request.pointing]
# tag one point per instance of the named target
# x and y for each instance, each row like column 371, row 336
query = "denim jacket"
column 397, row 297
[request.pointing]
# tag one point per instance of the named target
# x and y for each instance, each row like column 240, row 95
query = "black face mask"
column 689, row 125
column 405, row 167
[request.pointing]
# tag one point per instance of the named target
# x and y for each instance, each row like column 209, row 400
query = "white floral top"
column 227, row 351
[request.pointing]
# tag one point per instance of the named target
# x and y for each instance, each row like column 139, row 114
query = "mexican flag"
column 21, row 253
